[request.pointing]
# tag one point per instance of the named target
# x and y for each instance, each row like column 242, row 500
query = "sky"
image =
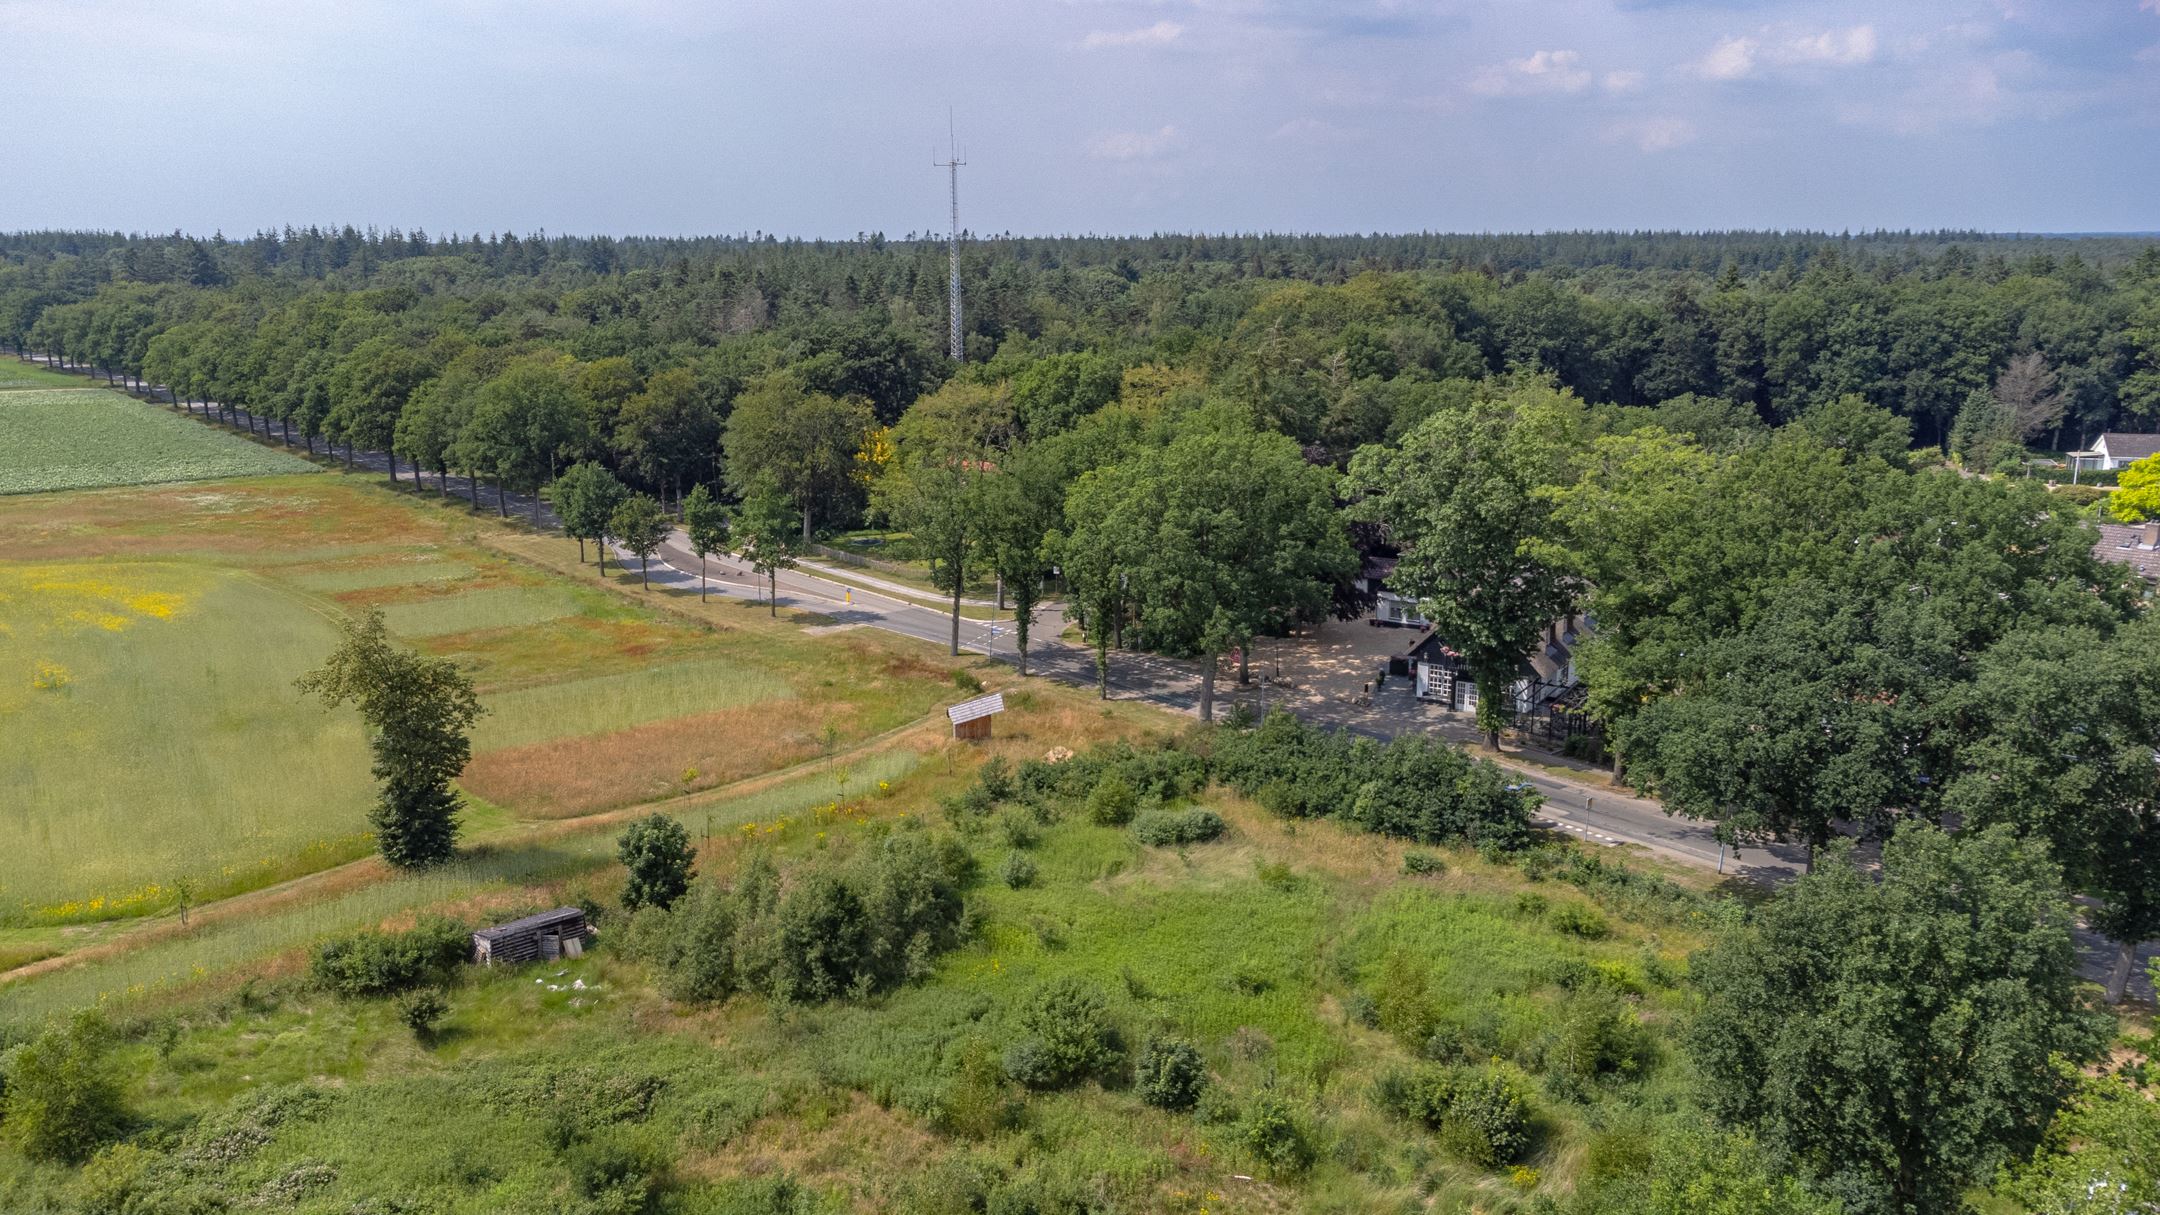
column 821, row 118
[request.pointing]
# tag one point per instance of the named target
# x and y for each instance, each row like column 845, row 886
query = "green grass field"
column 614, row 702
column 471, row 611
column 17, row 374
column 142, row 750
column 152, row 727
column 80, row 438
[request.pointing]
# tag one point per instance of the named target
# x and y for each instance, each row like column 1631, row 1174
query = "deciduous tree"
column 419, row 713
column 799, row 444
column 765, row 536
column 705, row 523
column 642, row 527
column 945, row 455
column 1898, row 1038
column 1461, row 496
column 585, row 498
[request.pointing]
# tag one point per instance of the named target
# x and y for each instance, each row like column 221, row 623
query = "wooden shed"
column 971, row 718
column 544, row 937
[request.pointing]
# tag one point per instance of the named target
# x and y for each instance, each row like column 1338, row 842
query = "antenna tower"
column 952, row 284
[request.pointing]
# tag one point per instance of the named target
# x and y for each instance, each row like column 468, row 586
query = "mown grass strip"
column 616, row 702
column 495, row 608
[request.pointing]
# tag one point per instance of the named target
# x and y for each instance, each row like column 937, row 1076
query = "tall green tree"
column 705, row 523
column 419, row 714
column 1022, row 508
column 368, row 391
column 527, row 423
column 1463, row 495
column 2058, row 724
column 801, row 444
column 946, row 450
column 1898, row 1038
column 765, row 537
column 641, row 526
column 668, row 434
column 585, row 498
column 1216, row 538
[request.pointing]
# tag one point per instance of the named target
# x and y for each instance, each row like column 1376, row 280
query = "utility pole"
column 952, row 285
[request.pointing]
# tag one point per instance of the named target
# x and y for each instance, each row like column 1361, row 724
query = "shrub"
column 1160, row 828
column 370, row 963
column 823, row 947
column 1272, row 1133
column 618, row 1172
column 1577, row 920
column 1169, row 1073
column 657, row 852
column 1070, row 1036
column 62, row 1099
column 996, row 778
column 971, row 802
column 1480, row 1113
column 1422, row 863
column 1276, row 875
column 1413, row 787
column 1598, row 1034
column 422, row 1011
column 1018, row 870
column 966, row 681
column 980, row 1100
column 1112, row 802
column 697, row 956
column 1020, row 830
column 1488, row 1118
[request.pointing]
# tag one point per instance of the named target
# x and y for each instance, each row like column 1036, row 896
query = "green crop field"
column 80, row 438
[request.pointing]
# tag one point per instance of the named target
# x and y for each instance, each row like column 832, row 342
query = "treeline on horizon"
column 1336, row 341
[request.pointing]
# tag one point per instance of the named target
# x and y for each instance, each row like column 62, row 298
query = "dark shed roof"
column 532, row 923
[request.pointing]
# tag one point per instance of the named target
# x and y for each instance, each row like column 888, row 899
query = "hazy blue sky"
column 819, row 118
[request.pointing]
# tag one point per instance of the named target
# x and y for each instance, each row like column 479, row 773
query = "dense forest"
column 1336, row 341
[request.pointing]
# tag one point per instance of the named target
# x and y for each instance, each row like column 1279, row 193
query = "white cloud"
column 2150, row 54
column 1737, row 58
column 1655, row 134
column 1162, row 33
column 1540, row 72
column 1729, row 60
column 1841, row 47
column 1313, row 130
column 1622, row 82
column 1134, row 145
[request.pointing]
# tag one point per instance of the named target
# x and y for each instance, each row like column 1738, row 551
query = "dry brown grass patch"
column 575, row 776
column 849, row 1150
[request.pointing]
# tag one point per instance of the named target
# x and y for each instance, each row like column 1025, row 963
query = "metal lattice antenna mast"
column 952, row 285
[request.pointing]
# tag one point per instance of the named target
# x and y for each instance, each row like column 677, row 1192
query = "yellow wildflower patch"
column 74, row 598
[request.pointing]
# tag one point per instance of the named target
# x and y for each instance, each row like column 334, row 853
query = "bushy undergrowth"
column 1414, row 787
column 1159, row 828
column 824, row 930
column 1482, row 1114
column 372, row 963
